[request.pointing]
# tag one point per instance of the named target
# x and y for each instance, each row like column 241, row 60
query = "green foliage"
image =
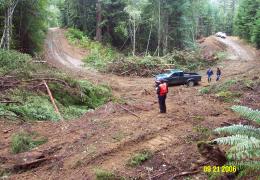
column 139, row 158
column 150, row 65
column 73, row 100
column 72, row 112
column 224, row 86
column 104, row 175
column 181, row 22
column 244, row 141
column 71, row 104
column 74, row 35
column 22, row 142
column 227, row 96
column 247, row 21
column 35, row 108
column 248, row 113
column 240, row 129
column 256, row 32
column 54, row 13
column 99, row 54
column 30, row 26
column 221, row 55
column 94, row 96
column 203, row 133
column 13, row 61
column 224, row 90
column 204, row 90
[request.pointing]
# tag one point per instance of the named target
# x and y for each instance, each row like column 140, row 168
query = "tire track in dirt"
column 116, row 157
column 241, row 58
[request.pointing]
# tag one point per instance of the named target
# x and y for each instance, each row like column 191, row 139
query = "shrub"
column 72, row 102
column 224, row 86
column 99, row 55
column 244, row 141
column 227, row 96
column 34, row 108
column 75, row 34
column 139, row 158
column 203, row 133
column 72, row 112
column 94, row 96
column 104, row 175
column 204, row 90
column 13, row 61
column 22, row 142
column 221, row 55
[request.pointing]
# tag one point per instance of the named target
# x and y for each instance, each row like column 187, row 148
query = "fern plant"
column 244, row 141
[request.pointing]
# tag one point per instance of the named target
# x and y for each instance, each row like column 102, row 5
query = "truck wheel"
column 191, row 83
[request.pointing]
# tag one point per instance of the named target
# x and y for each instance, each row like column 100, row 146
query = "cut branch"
column 52, row 99
column 129, row 111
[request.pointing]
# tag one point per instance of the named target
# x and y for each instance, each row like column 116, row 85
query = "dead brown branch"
column 185, row 174
column 10, row 102
column 129, row 111
column 52, row 99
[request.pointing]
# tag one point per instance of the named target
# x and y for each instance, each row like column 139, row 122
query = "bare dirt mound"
column 210, row 46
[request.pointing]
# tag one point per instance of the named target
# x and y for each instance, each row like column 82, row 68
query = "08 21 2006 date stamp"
column 219, row 169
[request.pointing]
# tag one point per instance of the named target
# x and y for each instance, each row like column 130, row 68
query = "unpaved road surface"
column 109, row 136
column 240, row 58
column 237, row 50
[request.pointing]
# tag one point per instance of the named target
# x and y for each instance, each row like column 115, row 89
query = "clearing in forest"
column 112, row 137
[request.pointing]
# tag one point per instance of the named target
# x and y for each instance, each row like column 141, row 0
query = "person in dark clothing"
column 218, row 74
column 162, row 90
column 209, row 74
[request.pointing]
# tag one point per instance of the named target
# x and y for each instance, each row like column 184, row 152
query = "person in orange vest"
column 162, row 90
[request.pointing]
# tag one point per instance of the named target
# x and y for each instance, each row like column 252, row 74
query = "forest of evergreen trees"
column 137, row 26
column 161, row 25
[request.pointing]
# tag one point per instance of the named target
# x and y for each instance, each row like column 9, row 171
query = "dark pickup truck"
column 178, row 77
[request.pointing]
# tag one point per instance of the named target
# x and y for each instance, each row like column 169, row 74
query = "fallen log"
column 29, row 165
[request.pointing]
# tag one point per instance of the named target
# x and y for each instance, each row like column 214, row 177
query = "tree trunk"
column 134, row 37
column 166, row 34
column 99, row 20
column 149, row 38
column 2, row 44
column 7, row 33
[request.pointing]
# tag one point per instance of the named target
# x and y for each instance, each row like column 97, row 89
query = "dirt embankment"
column 109, row 136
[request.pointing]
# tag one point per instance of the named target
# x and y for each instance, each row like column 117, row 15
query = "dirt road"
column 109, row 136
column 240, row 57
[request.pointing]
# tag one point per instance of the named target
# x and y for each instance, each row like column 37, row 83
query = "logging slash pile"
column 33, row 91
column 107, row 59
column 150, row 65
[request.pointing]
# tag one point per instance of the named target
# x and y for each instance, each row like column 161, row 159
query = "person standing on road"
column 209, row 74
column 218, row 74
column 162, row 90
